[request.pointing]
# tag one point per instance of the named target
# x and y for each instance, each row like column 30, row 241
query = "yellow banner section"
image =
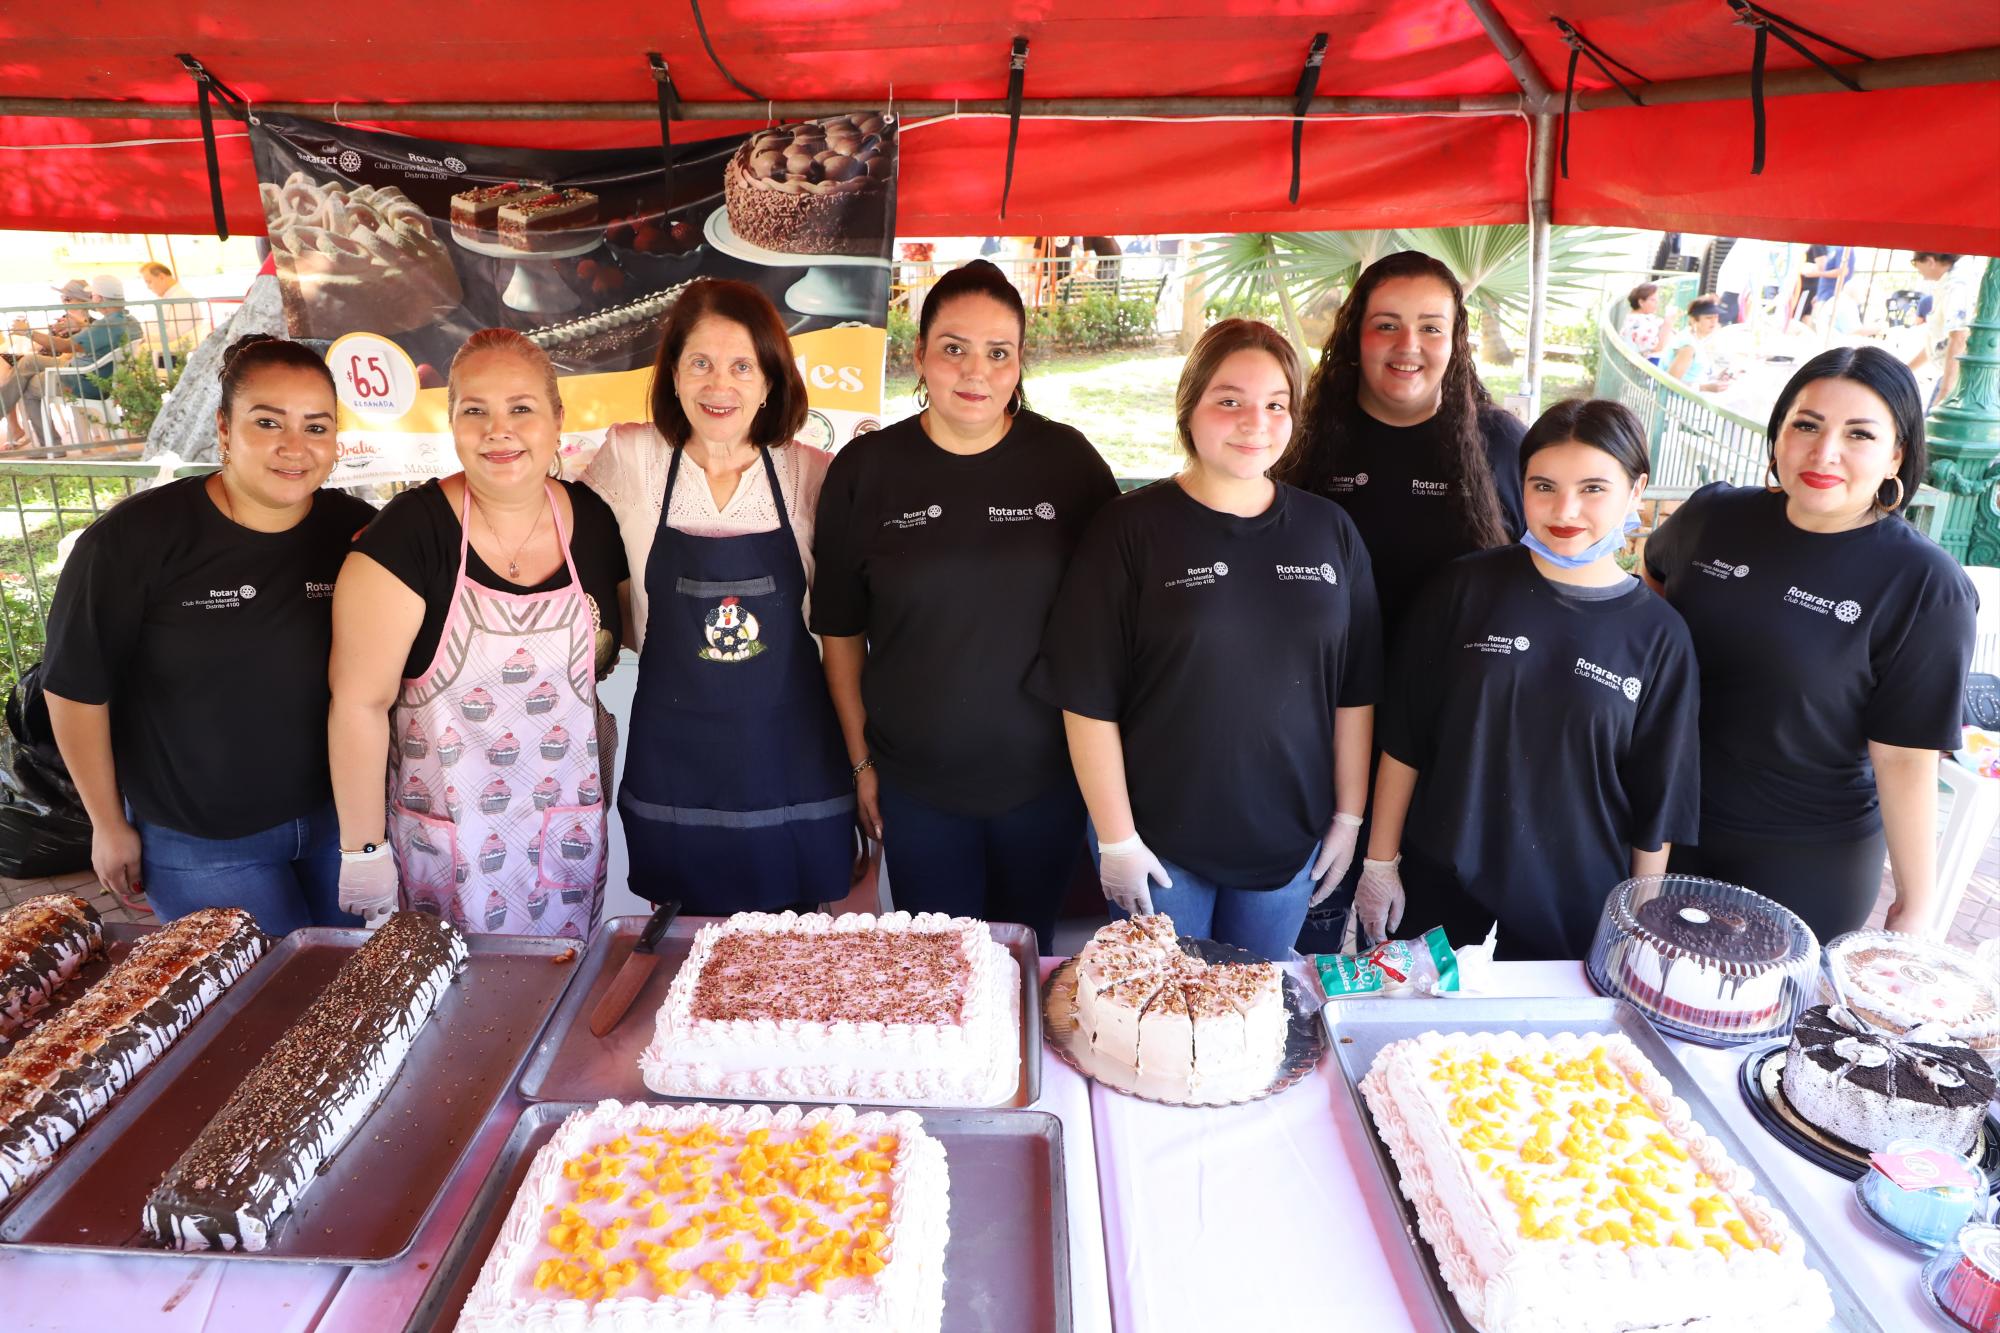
column 842, row 369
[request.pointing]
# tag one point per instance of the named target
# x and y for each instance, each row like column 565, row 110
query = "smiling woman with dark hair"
column 187, row 660
column 1834, row 640
column 736, row 794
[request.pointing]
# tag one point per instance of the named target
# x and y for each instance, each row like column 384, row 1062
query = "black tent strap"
column 1017, row 78
column 1579, row 45
column 207, row 85
column 669, row 105
column 1766, row 25
column 716, row 60
column 1308, row 84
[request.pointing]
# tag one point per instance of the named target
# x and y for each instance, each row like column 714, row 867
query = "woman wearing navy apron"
column 737, row 794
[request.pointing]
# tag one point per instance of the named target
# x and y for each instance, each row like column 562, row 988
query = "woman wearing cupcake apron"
column 496, row 818
column 736, row 795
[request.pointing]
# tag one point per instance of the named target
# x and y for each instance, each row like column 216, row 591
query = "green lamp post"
column 1964, row 437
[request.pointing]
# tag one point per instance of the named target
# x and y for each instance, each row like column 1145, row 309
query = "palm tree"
column 1491, row 263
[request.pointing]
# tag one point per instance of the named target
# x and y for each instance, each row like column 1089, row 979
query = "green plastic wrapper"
column 1422, row 966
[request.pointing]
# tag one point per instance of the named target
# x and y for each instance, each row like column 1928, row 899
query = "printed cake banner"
column 391, row 250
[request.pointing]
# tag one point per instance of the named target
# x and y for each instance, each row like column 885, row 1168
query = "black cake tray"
column 569, row 1064
column 374, row 1195
column 1006, row 1266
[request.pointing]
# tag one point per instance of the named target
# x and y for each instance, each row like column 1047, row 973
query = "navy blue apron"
column 737, row 795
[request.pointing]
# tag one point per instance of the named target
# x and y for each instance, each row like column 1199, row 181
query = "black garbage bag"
column 43, row 828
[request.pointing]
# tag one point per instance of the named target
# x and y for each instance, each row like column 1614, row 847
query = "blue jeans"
column 1264, row 921
column 287, row 876
column 1013, row 866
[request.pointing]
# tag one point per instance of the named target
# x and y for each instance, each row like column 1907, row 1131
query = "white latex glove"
column 368, row 885
column 1126, row 869
column 1378, row 898
column 1336, row 853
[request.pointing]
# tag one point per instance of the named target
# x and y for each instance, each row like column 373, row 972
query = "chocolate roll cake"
column 43, row 942
column 58, row 1077
column 820, row 188
column 310, row 1092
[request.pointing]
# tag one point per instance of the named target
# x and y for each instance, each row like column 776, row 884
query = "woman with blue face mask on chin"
column 1538, row 725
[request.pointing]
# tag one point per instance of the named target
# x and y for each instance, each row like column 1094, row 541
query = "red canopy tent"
column 97, row 130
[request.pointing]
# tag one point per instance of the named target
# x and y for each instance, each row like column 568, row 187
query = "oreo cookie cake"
column 312, row 1089
column 1869, row 1088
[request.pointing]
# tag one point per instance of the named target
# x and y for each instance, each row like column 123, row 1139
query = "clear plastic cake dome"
column 1897, row 982
column 1708, row 961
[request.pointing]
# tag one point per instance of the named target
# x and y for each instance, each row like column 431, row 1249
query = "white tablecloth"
column 1257, row 1217
column 85, row 1294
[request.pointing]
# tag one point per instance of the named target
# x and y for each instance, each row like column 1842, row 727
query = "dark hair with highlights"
column 1597, row 422
column 980, row 277
column 1888, row 379
column 1332, row 414
column 262, row 351
column 783, row 414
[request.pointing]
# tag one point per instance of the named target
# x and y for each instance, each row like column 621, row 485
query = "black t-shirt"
column 416, row 538
column 949, row 564
column 209, row 642
column 1551, row 736
column 1811, row 645
column 1400, row 498
column 1220, row 646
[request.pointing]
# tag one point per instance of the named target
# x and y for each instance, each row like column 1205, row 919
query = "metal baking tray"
column 1359, row 1029
column 375, row 1193
column 1006, row 1266
column 571, row 1065
column 119, row 937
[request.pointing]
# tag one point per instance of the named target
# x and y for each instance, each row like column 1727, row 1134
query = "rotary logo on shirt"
column 1722, row 569
column 1846, row 611
column 1022, row 514
column 1199, row 576
column 1629, row 686
column 1320, row 573
column 731, row 632
column 223, row 599
column 1500, row 645
column 1346, row 485
column 914, row 518
column 1418, row 486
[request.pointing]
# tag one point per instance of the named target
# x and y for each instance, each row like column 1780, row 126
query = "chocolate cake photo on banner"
column 391, row 250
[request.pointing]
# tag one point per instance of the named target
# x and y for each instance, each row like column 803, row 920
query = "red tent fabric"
column 1914, row 167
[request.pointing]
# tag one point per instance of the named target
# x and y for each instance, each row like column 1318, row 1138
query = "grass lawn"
column 1124, row 400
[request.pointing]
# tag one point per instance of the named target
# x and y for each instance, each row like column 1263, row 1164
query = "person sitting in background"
column 91, row 346
column 1643, row 327
column 21, row 383
column 173, row 329
column 1690, row 357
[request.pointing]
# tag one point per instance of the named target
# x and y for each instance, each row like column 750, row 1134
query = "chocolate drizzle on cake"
column 313, row 1088
column 909, row 976
column 1693, row 925
column 61, row 1075
column 1936, row 1072
column 43, row 943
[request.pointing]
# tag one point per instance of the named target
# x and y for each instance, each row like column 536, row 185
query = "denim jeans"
column 287, row 876
column 1264, row 921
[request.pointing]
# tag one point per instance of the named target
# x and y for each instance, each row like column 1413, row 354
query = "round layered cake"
column 1709, row 961
column 1870, row 1088
column 822, row 187
column 1898, row 982
column 1965, row 1279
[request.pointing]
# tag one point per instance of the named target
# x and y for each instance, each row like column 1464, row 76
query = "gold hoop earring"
column 555, row 465
column 222, row 455
column 1899, row 496
column 922, row 393
column 1773, row 486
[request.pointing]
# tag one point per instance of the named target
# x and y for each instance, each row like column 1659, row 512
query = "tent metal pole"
column 1279, row 108
column 1509, row 48
column 1541, row 209
column 1976, row 66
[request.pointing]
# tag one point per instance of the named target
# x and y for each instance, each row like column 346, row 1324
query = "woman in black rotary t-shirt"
column 1538, row 725
column 1833, row 640
column 1216, row 654
column 941, row 542
column 1399, row 432
column 186, row 663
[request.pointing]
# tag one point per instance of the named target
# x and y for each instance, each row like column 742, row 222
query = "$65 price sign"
column 373, row 376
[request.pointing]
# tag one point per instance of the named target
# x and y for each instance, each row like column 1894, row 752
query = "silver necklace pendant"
column 513, row 570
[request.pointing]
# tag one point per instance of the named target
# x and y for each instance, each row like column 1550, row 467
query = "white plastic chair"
column 1968, row 823
column 80, row 410
column 1986, row 633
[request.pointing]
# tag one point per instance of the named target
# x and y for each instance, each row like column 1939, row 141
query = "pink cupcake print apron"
column 496, row 810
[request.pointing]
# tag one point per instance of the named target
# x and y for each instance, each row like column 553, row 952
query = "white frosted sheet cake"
column 922, row 1009
column 645, row 1219
column 1563, row 1186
